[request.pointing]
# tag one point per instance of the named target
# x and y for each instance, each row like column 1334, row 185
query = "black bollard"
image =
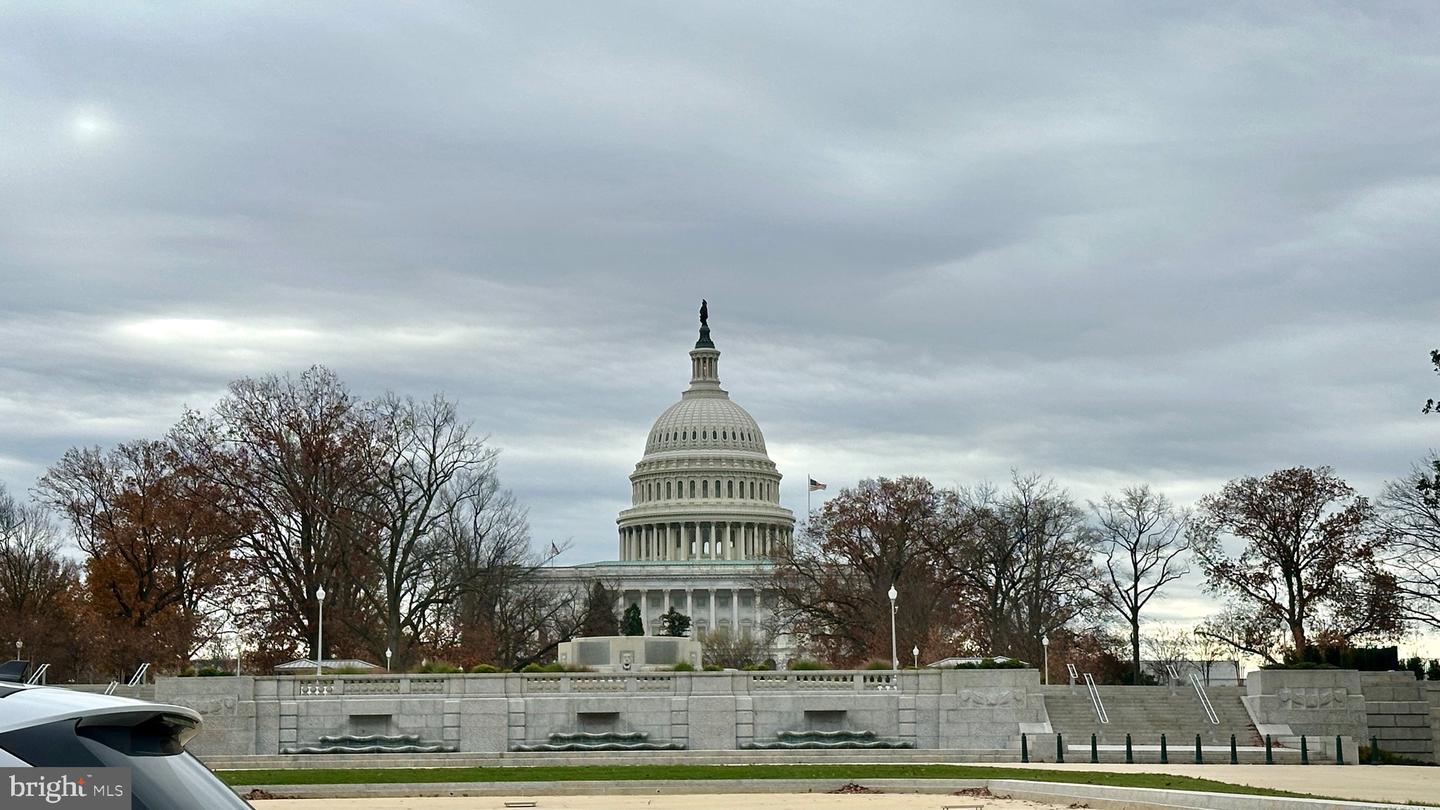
column 1024, row 749
column 1304, row 751
column 1164, row 754
column 1199, row 759
column 1374, row 750
column 1339, row 751
column 1234, row 756
column 1059, row 748
column 1269, row 757
column 1129, row 753
column 1094, row 750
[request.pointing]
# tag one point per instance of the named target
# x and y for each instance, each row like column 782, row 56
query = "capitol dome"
column 714, row 422
column 705, row 488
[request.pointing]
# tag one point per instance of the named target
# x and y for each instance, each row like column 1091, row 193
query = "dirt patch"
column 851, row 787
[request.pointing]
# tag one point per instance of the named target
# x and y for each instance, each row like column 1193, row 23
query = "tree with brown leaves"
column 831, row 585
column 1308, row 565
column 159, row 554
column 291, row 457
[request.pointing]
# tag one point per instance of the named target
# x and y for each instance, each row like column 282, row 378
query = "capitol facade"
column 705, row 514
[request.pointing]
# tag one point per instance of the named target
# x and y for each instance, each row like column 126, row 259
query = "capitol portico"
column 705, row 512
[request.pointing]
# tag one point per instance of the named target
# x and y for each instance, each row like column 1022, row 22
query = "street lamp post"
column 915, row 651
column 387, row 659
column 18, row 645
column 894, row 658
column 320, row 632
column 1045, row 642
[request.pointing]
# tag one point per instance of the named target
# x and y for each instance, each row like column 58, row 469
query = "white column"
column 645, row 611
column 690, row 604
column 669, row 548
column 711, row 626
column 734, row 611
column 729, row 542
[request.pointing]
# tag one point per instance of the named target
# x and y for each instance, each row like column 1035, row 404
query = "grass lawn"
column 625, row 773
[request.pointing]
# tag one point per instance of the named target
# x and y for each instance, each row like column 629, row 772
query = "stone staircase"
column 796, row 740
column 1146, row 712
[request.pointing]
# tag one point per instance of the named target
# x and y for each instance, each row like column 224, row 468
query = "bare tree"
column 1210, row 650
column 1169, row 648
column 1020, row 563
column 506, row 611
column 426, row 466
column 734, row 650
column 1411, row 514
column 1141, row 537
column 1309, row 562
column 39, row 588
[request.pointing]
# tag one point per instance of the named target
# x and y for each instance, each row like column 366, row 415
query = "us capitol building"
column 705, row 512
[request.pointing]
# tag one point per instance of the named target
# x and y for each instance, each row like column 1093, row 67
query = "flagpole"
column 809, row 490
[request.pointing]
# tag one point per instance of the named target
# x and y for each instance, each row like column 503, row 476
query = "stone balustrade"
column 977, row 709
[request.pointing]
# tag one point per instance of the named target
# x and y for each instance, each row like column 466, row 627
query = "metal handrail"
column 1204, row 699
column 38, row 676
column 1095, row 699
column 110, row 690
column 139, row 676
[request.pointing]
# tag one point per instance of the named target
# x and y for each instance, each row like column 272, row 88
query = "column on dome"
column 729, row 541
column 666, row 555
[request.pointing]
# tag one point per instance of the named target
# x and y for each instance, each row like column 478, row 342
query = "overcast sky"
column 1164, row 243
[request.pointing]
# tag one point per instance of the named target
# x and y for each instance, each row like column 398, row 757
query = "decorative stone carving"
column 991, row 698
column 1312, row 697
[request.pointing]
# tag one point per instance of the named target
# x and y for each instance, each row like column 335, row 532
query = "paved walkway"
column 746, row 801
column 1369, row 783
column 1387, row 783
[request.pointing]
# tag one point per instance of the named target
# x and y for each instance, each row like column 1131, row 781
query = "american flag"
column 816, row 485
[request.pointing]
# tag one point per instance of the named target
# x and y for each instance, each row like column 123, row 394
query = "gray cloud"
column 1112, row 244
